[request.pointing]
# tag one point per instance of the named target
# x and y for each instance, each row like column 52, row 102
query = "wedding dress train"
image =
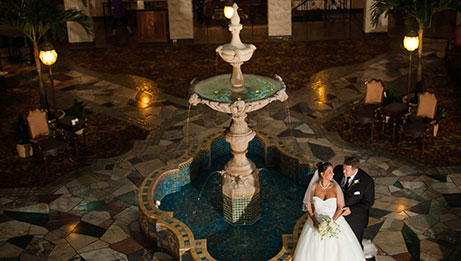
column 311, row 246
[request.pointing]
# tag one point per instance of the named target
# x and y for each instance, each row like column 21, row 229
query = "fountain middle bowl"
column 256, row 87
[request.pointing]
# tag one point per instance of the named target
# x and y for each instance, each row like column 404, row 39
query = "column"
column 279, row 17
column 367, row 26
column 180, row 18
column 75, row 32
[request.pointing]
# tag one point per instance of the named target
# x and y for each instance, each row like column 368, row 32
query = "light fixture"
column 411, row 43
column 228, row 9
column 145, row 96
column 48, row 56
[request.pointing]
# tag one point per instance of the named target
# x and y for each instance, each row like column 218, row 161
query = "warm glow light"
column 228, row 11
column 411, row 43
column 145, row 98
column 215, row 92
column 239, row 98
column 48, row 57
column 257, row 91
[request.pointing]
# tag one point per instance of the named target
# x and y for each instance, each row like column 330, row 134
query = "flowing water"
column 281, row 202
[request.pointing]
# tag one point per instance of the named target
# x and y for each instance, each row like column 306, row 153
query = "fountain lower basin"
column 174, row 236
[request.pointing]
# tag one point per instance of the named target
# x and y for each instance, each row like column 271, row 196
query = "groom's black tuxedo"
column 359, row 197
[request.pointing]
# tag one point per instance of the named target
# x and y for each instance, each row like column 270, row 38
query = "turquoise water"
column 256, row 87
column 281, row 202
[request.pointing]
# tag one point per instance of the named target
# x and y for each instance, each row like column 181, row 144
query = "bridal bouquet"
column 329, row 228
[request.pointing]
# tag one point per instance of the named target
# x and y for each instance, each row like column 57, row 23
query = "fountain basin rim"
column 279, row 93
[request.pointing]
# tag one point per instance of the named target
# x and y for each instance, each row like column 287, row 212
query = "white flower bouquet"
column 329, row 228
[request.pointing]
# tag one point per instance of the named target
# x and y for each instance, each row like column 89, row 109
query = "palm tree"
column 35, row 18
column 419, row 11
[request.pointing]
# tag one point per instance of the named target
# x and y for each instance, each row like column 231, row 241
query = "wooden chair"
column 366, row 111
column 420, row 126
column 46, row 145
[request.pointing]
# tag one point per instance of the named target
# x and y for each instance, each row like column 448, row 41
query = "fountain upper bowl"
column 233, row 54
column 255, row 88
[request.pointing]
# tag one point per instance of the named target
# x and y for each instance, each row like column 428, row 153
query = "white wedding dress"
column 311, row 246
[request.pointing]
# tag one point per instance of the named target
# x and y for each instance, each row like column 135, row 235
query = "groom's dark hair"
column 352, row 161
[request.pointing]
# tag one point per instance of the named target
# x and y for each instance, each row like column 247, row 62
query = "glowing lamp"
column 228, row 9
column 411, row 43
column 48, row 55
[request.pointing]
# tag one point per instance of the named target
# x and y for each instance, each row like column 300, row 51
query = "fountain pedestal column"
column 240, row 183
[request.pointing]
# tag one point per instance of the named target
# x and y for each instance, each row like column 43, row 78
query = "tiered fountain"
column 241, row 94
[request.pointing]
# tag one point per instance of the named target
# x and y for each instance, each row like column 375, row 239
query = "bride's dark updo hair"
column 322, row 166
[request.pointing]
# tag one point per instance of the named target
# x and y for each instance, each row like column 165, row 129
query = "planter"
column 24, row 150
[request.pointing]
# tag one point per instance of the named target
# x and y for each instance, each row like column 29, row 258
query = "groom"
column 359, row 194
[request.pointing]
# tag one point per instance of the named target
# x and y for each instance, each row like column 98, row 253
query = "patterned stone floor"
column 416, row 215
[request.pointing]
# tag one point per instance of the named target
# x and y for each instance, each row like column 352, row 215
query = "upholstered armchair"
column 366, row 111
column 420, row 126
column 46, row 145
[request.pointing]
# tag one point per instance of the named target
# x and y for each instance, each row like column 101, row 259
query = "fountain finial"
column 235, row 19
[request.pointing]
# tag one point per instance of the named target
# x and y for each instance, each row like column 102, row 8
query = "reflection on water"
column 281, row 201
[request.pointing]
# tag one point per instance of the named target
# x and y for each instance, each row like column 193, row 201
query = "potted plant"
column 22, row 137
column 35, row 18
column 79, row 111
column 439, row 115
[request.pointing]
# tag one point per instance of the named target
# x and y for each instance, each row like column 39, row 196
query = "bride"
column 323, row 199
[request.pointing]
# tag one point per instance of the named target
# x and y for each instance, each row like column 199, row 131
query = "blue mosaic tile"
column 258, row 147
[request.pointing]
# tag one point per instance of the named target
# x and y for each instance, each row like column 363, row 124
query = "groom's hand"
column 346, row 211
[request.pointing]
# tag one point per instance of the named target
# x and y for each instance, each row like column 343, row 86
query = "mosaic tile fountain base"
column 242, row 211
column 176, row 237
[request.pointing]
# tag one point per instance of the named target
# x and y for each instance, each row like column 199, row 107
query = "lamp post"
column 411, row 43
column 48, row 57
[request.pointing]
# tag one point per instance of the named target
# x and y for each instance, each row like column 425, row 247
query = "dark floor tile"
column 108, row 104
column 352, row 87
column 38, row 219
column 371, row 231
column 439, row 177
column 89, row 229
column 127, row 246
column 352, row 79
column 412, row 241
column 378, row 213
column 136, row 178
column 281, row 115
column 322, row 152
column 98, row 205
column 61, row 77
column 129, row 198
column 58, row 219
column 303, row 108
column 422, row 208
column 403, row 257
column 135, row 160
column 454, row 200
column 21, row 241
column 408, row 194
column 39, row 247
column 294, row 133
column 109, row 166
column 44, row 198
column 398, row 185
column 65, row 89
column 116, row 206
